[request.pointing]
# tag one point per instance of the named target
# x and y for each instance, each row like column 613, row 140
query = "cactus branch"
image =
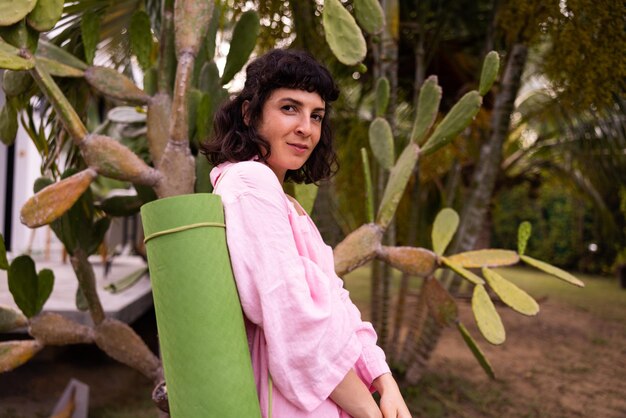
column 180, row 115
column 70, row 119
column 87, row 282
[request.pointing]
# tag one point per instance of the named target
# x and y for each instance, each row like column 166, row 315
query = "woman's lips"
column 298, row 147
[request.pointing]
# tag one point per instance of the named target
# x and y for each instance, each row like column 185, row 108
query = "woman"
column 312, row 355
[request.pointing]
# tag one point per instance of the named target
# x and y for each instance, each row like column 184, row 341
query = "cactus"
column 427, row 108
column 141, row 43
column 45, row 15
column 359, row 247
column 444, row 227
column 16, row 82
column 551, row 270
column 411, row 260
column 54, row 329
column 11, row 320
column 441, row 304
column 4, row 263
column 381, row 142
column 461, row 271
column 15, row 353
column 369, row 191
column 480, row 356
column 523, row 234
column 485, row 258
column 90, row 33
column 59, row 69
column 342, row 33
column 455, row 121
column 510, row 294
column 382, row 96
column 488, row 75
column 13, row 11
column 8, row 123
column 11, row 59
column 21, row 36
column 115, row 85
column 487, row 318
column 245, row 36
column 53, row 201
column 370, row 15
column 191, row 19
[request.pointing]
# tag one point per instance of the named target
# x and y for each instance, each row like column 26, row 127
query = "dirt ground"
column 563, row 363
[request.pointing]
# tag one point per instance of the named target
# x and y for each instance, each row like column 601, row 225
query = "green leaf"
column 126, row 282
column 427, row 109
column 382, row 96
column 485, row 258
column 476, row 351
column 141, row 41
column 10, row 319
column 369, row 192
column 381, row 142
column 343, row 35
column 487, row 318
column 370, row 15
column 12, row 11
column 10, row 58
column 510, row 294
column 90, row 31
column 45, row 14
column 488, row 75
column 29, row 289
column 8, row 123
column 306, row 194
column 444, row 228
column 457, row 119
column 554, row 271
column 523, row 234
column 244, row 39
column 4, row 263
column 98, row 231
column 466, row 274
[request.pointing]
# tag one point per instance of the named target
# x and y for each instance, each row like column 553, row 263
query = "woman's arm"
column 353, row 397
column 391, row 402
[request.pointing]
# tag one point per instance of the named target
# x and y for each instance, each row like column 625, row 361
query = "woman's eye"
column 289, row 108
column 316, row 117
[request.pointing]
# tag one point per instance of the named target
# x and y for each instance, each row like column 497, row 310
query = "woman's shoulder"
column 251, row 177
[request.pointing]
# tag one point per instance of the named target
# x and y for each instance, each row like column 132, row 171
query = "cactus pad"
column 10, row 58
column 398, row 180
column 370, row 15
column 54, row 329
column 244, row 39
column 15, row 353
column 510, row 294
column 444, row 228
column 382, row 96
column 487, row 318
column 53, row 201
column 381, row 142
column 115, row 85
column 440, row 302
column 466, row 274
column 427, row 109
column 11, row 319
column 459, row 118
column 414, row 261
column 45, row 14
column 12, row 11
column 476, row 351
column 343, row 35
column 485, row 258
column 30, row 289
column 488, row 75
column 552, row 270
column 191, row 19
column 523, row 234
column 359, row 247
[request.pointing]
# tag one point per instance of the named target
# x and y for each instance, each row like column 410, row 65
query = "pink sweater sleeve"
column 308, row 328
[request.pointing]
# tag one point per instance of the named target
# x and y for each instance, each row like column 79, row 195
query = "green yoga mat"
column 202, row 337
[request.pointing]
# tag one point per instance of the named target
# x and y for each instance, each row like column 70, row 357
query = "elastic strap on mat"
column 269, row 396
column 183, row 228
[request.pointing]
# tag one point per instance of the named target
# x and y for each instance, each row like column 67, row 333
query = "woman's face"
column 291, row 123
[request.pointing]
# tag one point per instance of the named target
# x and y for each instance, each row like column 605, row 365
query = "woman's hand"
column 354, row 398
column 392, row 404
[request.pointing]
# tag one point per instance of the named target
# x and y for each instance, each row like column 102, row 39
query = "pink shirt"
column 301, row 325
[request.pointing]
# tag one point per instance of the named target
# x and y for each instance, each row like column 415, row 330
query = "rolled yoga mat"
column 202, row 336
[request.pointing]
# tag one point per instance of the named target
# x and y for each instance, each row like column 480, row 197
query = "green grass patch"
column 601, row 296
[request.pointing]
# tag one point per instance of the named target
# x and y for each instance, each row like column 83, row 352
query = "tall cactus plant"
column 181, row 91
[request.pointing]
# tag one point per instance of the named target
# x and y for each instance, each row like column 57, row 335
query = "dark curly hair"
column 234, row 140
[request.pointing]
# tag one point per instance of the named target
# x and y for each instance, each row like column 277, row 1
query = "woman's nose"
column 304, row 126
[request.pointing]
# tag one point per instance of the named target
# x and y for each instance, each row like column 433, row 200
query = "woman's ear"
column 244, row 111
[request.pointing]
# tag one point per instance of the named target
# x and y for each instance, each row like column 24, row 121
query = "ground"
column 569, row 361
